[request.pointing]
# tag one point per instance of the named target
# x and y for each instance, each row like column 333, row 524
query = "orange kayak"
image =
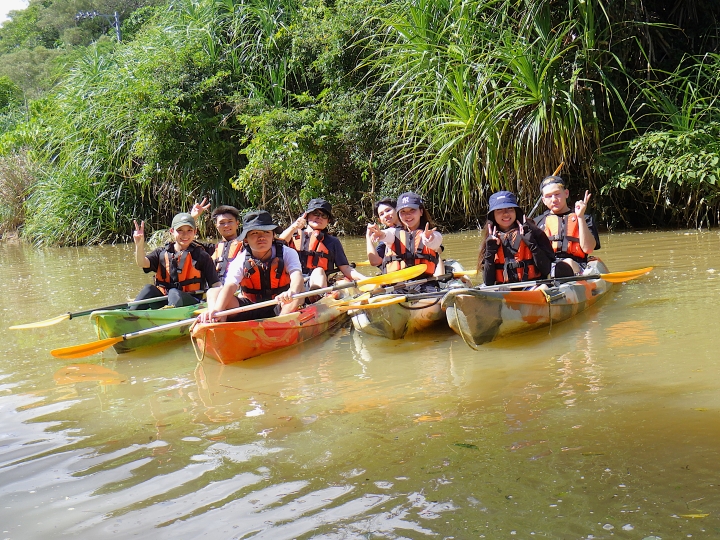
column 229, row 342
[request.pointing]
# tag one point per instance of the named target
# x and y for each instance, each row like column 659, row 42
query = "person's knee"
column 178, row 298
column 562, row 269
column 318, row 279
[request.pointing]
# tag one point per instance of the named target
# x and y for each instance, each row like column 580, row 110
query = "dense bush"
column 272, row 102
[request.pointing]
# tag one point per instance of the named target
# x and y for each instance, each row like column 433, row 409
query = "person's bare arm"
column 139, row 238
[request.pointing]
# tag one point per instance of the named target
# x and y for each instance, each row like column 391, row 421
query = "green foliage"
column 272, row 102
column 10, row 94
column 677, row 156
column 70, row 206
column 483, row 96
column 15, row 181
column 24, row 31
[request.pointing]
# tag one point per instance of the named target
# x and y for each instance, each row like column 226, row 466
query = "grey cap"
column 183, row 219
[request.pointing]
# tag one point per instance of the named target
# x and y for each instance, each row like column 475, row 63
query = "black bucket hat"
column 257, row 220
column 500, row 200
column 320, row 204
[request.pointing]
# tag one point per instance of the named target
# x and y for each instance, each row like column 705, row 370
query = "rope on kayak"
column 548, row 301
column 420, row 307
column 199, row 357
column 469, row 342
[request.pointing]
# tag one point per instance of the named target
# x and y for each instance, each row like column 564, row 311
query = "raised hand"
column 428, row 232
column 198, row 208
column 374, row 232
column 492, row 234
column 300, row 223
column 581, row 206
column 139, row 232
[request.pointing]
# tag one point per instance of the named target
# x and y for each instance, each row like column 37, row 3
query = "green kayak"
column 116, row 322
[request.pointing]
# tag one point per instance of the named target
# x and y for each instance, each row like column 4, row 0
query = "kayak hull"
column 395, row 321
column 230, row 342
column 399, row 320
column 483, row 316
column 117, row 322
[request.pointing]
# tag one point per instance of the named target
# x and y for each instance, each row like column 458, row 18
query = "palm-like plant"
column 481, row 96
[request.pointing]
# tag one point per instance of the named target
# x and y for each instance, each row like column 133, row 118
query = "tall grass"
column 16, row 178
column 673, row 163
column 480, row 96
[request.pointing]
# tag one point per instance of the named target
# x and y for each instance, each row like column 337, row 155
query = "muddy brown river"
column 605, row 426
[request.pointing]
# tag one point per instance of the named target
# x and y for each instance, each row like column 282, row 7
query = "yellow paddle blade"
column 620, row 277
column 462, row 273
column 405, row 274
column 382, row 302
column 42, row 324
column 342, row 302
column 86, row 349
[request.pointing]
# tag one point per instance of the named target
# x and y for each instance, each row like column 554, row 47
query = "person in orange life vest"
column 321, row 254
column 387, row 214
column 512, row 251
column 414, row 242
column 573, row 234
column 226, row 220
column 180, row 267
column 265, row 269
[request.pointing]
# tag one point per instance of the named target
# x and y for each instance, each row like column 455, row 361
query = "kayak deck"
column 398, row 320
column 117, row 322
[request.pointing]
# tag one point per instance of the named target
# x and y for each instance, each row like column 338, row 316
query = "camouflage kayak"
column 482, row 316
column 117, row 322
column 229, row 342
column 395, row 321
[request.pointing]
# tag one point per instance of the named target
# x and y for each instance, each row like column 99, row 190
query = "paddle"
column 443, row 277
column 68, row 316
column 388, row 290
column 87, row 349
column 612, row 277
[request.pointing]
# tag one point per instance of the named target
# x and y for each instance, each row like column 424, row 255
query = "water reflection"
column 600, row 426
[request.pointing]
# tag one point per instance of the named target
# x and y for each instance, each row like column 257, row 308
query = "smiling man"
column 573, row 233
column 265, row 270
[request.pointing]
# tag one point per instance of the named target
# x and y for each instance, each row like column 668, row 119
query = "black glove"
column 491, row 249
column 529, row 232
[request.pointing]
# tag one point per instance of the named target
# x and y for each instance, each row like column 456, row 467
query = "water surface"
column 605, row 426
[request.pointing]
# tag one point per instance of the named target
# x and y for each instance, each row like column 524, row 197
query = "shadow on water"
column 605, row 426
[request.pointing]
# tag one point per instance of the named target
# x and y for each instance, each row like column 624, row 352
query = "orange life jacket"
column 312, row 251
column 177, row 271
column 564, row 233
column 225, row 253
column 407, row 249
column 514, row 261
column 264, row 280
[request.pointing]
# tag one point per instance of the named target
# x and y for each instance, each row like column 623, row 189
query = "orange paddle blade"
column 86, row 349
column 621, row 277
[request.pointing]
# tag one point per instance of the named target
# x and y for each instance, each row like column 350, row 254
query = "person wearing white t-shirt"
column 266, row 269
